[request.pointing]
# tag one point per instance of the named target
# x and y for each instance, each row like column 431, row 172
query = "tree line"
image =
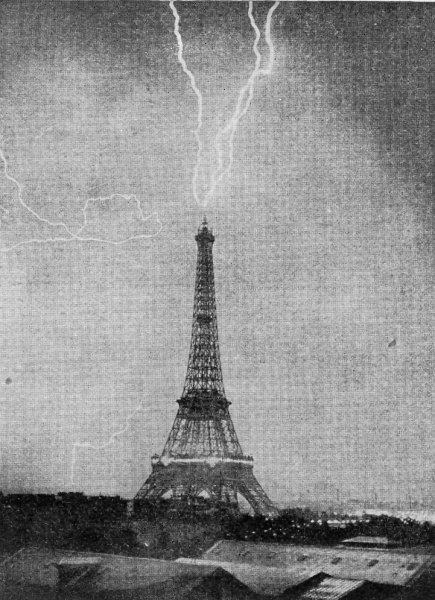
column 103, row 524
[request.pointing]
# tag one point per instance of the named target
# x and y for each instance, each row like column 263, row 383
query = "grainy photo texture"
column 217, row 300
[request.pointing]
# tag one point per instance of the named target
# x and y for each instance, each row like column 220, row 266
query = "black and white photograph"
column 217, row 300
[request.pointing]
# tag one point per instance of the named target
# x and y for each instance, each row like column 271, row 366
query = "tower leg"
column 154, row 487
column 254, row 494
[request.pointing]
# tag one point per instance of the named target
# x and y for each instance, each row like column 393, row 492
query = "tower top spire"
column 205, row 232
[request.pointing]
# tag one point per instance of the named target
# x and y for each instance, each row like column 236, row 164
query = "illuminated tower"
column 202, row 456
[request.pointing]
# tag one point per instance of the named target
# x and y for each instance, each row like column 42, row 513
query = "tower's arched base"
column 218, row 480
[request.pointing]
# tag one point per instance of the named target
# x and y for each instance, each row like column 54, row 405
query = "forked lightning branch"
column 224, row 140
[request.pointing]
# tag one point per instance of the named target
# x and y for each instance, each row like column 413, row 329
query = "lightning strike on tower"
column 198, row 95
column 244, row 100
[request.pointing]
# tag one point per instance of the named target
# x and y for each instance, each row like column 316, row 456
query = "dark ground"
column 101, row 524
column 74, row 522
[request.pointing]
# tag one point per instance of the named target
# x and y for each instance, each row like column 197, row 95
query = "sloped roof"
column 215, row 585
column 219, row 583
column 263, row 580
column 331, row 588
column 370, row 540
column 379, row 566
column 116, row 572
column 126, row 577
column 124, row 572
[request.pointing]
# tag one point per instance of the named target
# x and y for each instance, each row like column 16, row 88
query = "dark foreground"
column 40, row 533
column 102, row 524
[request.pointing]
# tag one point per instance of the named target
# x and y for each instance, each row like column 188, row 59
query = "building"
column 291, row 571
column 63, row 575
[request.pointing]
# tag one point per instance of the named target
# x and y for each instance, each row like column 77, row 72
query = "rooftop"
column 263, row 580
column 331, row 588
column 34, row 571
column 368, row 540
column 379, row 566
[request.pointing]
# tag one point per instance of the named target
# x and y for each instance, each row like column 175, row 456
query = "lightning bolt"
column 231, row 127
column 125, row 240
column 113, row 437
column 71, row 235
column 244, row 100
column 78, row 236
column 268, row 37
column 198, row 94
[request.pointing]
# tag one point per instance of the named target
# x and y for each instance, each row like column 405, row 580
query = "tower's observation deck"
column 202, row 453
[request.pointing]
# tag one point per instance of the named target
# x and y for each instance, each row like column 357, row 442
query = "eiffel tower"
column 202, row 456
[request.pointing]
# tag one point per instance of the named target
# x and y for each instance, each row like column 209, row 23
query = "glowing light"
column 71, row 235
column 239, row 112
column 112, row 439
column 17, row 184
column 246, row 94
column 198, row 95
column 244, row 99
column 269, row 42
column 124, row 240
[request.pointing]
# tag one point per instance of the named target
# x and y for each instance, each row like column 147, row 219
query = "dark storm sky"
column 323, row 254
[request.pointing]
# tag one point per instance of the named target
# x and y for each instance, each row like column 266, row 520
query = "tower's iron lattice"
column 202, row 455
